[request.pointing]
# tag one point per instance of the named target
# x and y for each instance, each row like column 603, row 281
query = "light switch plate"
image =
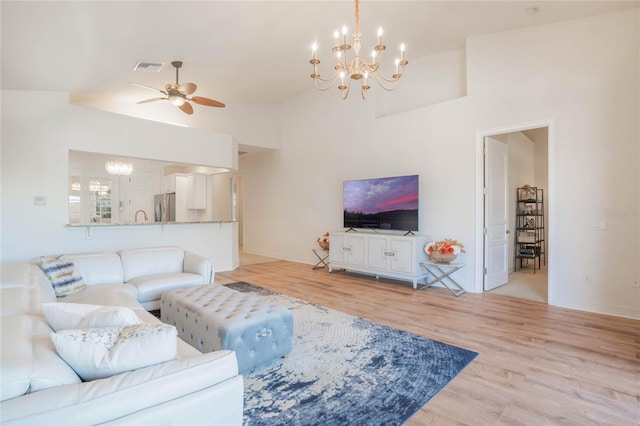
column 599, row 225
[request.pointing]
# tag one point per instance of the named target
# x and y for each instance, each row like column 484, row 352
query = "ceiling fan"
column 178, row 94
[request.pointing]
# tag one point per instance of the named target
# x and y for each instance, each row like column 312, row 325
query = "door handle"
column 508, row 232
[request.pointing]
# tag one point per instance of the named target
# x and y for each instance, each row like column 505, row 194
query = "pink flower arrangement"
column 447, row 246
column 323, row 241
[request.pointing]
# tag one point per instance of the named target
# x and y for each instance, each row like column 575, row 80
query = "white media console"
column 379, row 254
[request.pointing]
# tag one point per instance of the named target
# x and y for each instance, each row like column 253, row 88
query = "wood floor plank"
column 537, row 364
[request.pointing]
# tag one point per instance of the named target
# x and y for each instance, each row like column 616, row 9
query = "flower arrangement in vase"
column 444, row 251
column 323, row 241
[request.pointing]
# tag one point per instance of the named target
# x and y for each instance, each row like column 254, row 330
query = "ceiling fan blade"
column 186, row 108
column 153, row 100
column 148, row 87
column 207, row 102
column 187, row 88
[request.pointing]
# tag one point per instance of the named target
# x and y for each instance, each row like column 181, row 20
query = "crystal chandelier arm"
column 363, row 91
column 332, row 79
column 394, row 79
column 316, row 77
column 331, row 82
column 345, row 93
column 381, row 79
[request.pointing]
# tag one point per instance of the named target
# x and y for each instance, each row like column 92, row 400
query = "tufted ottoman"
column 213, row 317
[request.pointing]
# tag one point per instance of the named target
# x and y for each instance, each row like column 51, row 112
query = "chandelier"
column 357, row 68
column 118, row 167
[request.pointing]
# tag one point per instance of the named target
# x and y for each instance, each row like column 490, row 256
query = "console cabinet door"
column 355, row 249
column 378, row 256
column 336, row 245
column 404, row 250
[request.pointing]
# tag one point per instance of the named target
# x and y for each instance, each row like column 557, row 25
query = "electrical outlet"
column 635, row 283
column 587, row 279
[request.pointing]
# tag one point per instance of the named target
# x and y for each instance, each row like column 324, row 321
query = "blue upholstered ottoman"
column 213, row 317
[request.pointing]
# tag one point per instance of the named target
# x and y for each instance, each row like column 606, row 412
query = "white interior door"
column 496, row 259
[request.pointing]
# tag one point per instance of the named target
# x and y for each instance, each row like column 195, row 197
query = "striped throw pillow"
column 63, row 275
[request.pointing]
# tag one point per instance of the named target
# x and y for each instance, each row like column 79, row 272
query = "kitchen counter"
column 85, row 225
column 214, row 239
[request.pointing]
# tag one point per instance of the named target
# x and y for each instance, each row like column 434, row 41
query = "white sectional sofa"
column 38, row 387
column 147, row 272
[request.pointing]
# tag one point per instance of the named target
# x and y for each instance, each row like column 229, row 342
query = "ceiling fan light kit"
column 176, row 100
column 178, row 94
column 357, row 68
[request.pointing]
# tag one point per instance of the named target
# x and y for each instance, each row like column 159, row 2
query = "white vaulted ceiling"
column 242, row 52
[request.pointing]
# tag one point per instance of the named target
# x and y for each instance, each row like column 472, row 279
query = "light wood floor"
column 537, row 364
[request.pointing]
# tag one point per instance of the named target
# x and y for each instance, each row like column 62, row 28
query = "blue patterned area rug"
column 345, row 370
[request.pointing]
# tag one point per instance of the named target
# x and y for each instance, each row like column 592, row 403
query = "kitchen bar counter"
column 216, row 239
column 83, row 225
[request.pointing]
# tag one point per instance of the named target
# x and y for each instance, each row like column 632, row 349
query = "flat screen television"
column 382, row 203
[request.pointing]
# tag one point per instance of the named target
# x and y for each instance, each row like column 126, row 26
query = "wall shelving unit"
column 530, row 241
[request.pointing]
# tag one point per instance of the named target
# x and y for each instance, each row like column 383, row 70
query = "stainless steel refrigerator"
column 165, row 207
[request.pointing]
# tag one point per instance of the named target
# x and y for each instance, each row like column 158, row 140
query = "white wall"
column 219, row 196
column 428, row 80
column 260, row 133
column 541, row 180
column 582, row 74
column 521, row 172
column 40, row 128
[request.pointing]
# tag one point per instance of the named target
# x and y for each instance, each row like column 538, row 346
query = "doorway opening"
column 511, row 158
column 237, row 214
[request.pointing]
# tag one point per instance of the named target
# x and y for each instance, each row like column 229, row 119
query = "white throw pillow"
column 68, row 316
column 102, row 352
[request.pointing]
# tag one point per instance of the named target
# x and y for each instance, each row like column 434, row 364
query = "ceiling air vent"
column 148, row 66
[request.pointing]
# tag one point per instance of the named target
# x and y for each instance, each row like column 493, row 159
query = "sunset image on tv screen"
column 385, row 203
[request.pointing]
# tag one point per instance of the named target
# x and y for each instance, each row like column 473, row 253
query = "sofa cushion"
column 107, row 294
column 152, row 286
column 39, row 286
column 17, row 365
column 20, row 292
column 15, row 300
column 102, row 352
column 49, row 370
column 151, row 261
column 62, row 274
column 98, row 268
column 67, row 316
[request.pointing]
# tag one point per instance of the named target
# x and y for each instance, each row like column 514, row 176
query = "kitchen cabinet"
column 197, row 191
